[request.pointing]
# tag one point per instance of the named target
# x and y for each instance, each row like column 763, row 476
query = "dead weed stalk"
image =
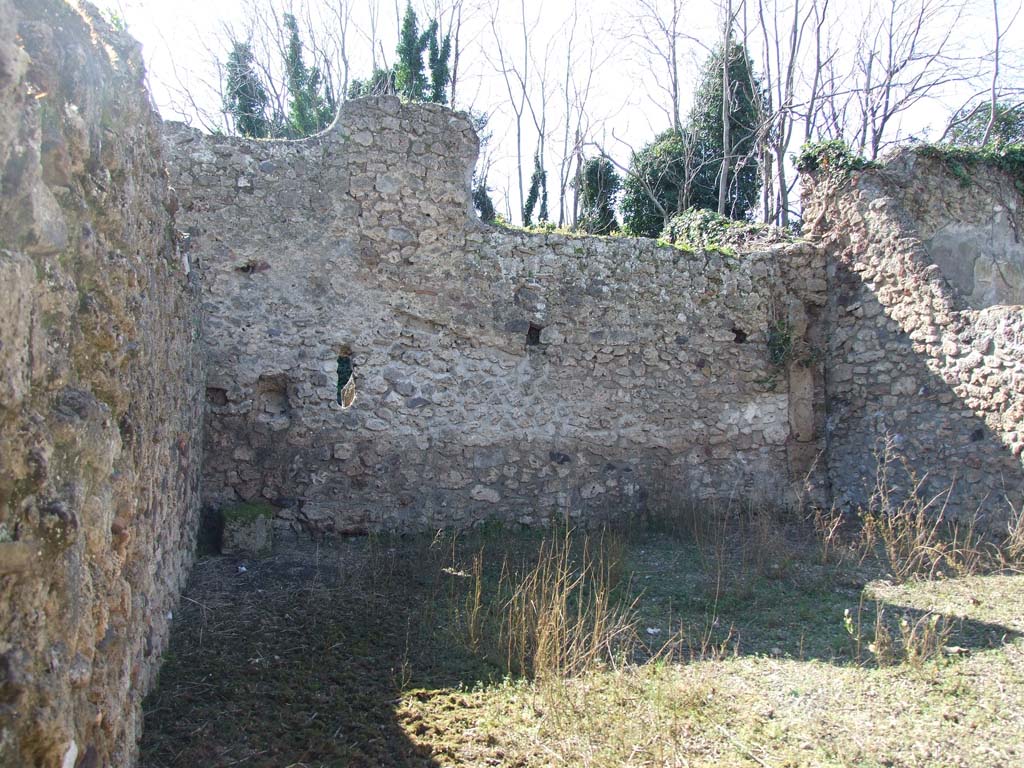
column 913, row 640
column 553, row 615
column 910, row 530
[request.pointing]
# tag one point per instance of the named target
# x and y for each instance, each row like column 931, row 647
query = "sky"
column 183, row 40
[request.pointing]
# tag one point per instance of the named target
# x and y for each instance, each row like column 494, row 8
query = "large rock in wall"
column 925, row 353
column 496, row 374
column 100, row 391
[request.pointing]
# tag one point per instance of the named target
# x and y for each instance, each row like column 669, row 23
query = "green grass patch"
column 247, row 512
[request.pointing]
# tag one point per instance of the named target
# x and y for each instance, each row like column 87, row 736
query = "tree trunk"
column 723, row 180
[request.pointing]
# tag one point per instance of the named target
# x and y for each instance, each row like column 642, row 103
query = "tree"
column 311, row 105
column 481, row 192
column 538, row 190
column 660, row 28
column 786, row 28
column 438, row 55
column 599, row 183
column 906, row 53
column 658, row 184
column 245, row 97
column 680, row 170
column 482, row 201
column 410, row 78
column 981, row 124
column 716, row 119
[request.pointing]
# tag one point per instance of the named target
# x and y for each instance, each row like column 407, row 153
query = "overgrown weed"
column 910, row 531
column 828, row 525
column 911, row 639
column 1013, row 545
column 554, row 614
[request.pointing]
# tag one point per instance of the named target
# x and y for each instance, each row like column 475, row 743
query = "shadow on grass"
column 301, row 660
column 800, row 613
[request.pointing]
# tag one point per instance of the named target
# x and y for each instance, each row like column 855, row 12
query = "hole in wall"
column 740, row 336
column 533, row 335
column 216, row 396
column 346, row 381
column 272, row 394
column 127, row 429
column 252, row 267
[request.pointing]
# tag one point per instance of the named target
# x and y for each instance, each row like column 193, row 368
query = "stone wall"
column 100, row 392
column 925, row 353
column 497, row 374
column 378, row 359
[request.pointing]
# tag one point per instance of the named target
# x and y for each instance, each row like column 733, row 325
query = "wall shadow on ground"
column 804, row 618
column 301, row 659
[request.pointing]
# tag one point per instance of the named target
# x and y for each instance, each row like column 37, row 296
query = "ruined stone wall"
column 925, row 352
column 100, row 392
column 497, row 374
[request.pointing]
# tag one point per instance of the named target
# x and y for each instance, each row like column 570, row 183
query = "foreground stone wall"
column 925, row 349
column 497, row 374
column 100, row 392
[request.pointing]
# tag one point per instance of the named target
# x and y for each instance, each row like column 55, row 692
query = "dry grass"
column 828, row 525
column 558, row 617
column 732, row 637
column 915, row 638
column 1013, row 545
column 551, row 613
column 914, row 535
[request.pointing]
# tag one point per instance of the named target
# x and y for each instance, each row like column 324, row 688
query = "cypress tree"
column 245, row 97
column 410, row 79
column 440, row 74
column 598, row 185
column 311, row 105
column 482, row 201
column 538, row 186
column 705, row 124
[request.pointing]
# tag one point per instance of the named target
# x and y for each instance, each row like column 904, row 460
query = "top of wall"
column 414, row 150
column 968, row 214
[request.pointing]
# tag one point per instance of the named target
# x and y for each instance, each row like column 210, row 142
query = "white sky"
column 182, row 38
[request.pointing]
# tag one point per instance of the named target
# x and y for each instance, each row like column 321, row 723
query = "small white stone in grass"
column 653, row 631
column 242, row 569
column 170, row 615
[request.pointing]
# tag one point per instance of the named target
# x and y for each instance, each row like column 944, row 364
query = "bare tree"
column 906, row 53
column 782, row 31
column 658, row 35
column 516, row 76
